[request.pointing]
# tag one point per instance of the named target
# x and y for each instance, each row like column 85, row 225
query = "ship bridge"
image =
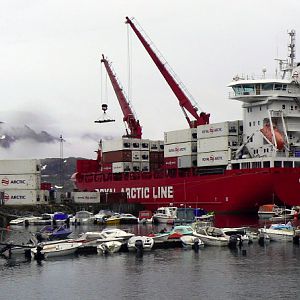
column 251, row 91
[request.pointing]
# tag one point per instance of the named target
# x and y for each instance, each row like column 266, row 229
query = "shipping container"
column 136, row 155
column 154, row 146
column 145, row 166
column 180, row 149
column 87, row 165
column 117, row 156
column 135, row 144
column 46, row 186
column 218, row 129
column 136, row 166
column 171, row 162
column 188, row 161
column 180, row 136
column 86, row 197
column 23, row 197
column 116, row 145
column 120, row 167
column 216, row 158
column 20, row 166
column 145, row 145
column 144, row 155
column 155, row 166
column 20, row 182
column 107, row 168
column 217, row 143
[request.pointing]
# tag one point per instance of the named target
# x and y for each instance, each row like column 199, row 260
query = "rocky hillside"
column 58, row 172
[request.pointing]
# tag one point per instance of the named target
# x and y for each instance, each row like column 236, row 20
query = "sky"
column 52, row 80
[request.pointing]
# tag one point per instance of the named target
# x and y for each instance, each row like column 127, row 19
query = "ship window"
column 283, row 106
column 258, row 122
column 266, row 164
column 284, row 86
column 292, row 107
column 249, row 124
column 238, row 89
column 260, row 108
column 256, row 164
column 253, row 123
column 288, row 164
column 277, row 164
column 235, row 166
column 267, row 86
column 297, row 164
column 246, row 165
column 248, row 89
column 277, row 87
column 194, row 135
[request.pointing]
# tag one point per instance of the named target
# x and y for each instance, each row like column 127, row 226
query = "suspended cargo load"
column 215, row 158
column 20, row 182
column 218, row 129
column 180, row 149
column 217, row 143
column 180, row 136
column 20, row 166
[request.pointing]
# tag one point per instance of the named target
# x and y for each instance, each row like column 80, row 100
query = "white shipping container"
column 23, row 197
column 217, row 143
column 136, row 155
column 180, row 149
column 218, row 129
column 20, row 166
column 135, row 144
column 154, row 146
column 216, row 158
column 180, row 136
column 187, row 161
column 136, row 166
column 145, row 167
column 145, row 155
column 86, row 197
column 120, row 167
column 116, row 145
column 145, row 144
column 20, row 182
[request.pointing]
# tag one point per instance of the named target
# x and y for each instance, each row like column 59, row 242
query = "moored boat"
column 144, row 243
column 212, row 236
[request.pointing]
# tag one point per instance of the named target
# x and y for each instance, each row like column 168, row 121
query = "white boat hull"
column 278, row 235
column 211, row 240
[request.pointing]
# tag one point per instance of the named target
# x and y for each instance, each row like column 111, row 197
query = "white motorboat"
column 165, row 215
column 109, row 234
column 279, row 232
column 140, row 243
column 23, row 220
column 242, row 232
column 82, row 217
column 44, row 219
column 55, row 249
column 212, row 236
column 190, row 241
column 284, row 215
column 109, row 247
column 100, row 217
column 128, row 219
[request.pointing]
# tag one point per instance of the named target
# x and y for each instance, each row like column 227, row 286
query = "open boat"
column 109, row 247
column 212, row 236
column 140, row 243
column 279, row 232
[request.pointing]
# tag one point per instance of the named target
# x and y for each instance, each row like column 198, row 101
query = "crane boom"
column 176, row 86
column 128, row 115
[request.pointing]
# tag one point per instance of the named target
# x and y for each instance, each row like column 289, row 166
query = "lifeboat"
column 267, row 132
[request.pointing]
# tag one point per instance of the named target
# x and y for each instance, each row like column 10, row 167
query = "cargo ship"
column 233, row 166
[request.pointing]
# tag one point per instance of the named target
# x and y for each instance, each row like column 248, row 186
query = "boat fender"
column 196, row 245
column 139, row 247
column 26, row 222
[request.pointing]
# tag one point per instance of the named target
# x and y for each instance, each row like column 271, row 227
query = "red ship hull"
column 233, row 191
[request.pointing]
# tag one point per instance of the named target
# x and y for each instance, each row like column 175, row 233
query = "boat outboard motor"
column 262, row 238
column 196, row 245
column 39, row 237
column 233, row 241
column 139, row 247
column 296, row 239
column 39, row 255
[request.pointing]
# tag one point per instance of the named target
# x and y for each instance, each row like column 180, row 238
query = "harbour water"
column 269, row 271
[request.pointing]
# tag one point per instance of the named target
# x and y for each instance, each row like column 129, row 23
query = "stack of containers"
column 216, row 142
column 125, row 155
column 20, row 180
column 180, row 148
column 156, row 155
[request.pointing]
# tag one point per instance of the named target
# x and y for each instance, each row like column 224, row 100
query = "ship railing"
column 201, row 172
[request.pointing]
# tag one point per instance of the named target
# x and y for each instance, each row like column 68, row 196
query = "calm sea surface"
column 271, row 271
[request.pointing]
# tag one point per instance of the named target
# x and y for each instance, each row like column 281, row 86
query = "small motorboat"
column 44, row 219
column 23, row 221
column 48, row 250
column 109, row 247
column 212, row 236
column 115, row 233
column 191, row 242
column 101, row 216
column 165, row 215
column 145, row 217
column 51, row 233
column 82, row 217
column 279, row 232
column 140, row 243
column 113, row 220
column 128, row 219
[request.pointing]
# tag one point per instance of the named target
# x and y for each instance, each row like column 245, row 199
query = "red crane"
column 132, row 123
column 175, row 84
